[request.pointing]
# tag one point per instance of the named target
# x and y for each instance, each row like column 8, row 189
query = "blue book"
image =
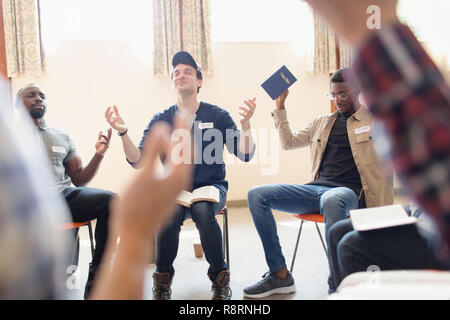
column 277, row 83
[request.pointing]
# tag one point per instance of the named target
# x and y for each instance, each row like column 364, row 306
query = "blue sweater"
column 211, row 124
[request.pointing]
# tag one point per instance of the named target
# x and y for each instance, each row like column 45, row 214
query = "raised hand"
column 102, row 144
column 114, row 119
column 246, row 113
column 279, row 102
column 143, row 206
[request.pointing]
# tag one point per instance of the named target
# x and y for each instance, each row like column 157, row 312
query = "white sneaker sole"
column 283, row 290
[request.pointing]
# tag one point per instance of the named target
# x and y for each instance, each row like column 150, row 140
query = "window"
column 430, row 23
column 262, row 21
column 97, row 20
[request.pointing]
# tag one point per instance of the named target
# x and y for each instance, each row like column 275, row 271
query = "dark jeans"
column 396, row 248
column 203, row 213
column 87, row 204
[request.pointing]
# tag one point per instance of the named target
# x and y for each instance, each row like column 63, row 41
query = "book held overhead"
column 278, row 82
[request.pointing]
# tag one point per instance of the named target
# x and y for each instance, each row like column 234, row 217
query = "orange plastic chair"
column 312, row 217
column 76, row 226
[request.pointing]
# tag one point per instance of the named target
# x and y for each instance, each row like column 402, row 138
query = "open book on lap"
column 207, row 193
column 380, row 217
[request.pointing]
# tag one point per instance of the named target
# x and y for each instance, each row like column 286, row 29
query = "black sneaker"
column 270, row 284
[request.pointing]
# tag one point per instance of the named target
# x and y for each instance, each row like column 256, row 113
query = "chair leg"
column 321, row 240
column 296, row 246
column 226, row 244
column 224, row 237
column 77, row 238
column 91, row 237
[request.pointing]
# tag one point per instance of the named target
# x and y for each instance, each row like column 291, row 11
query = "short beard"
column 37, row 113
column 350, row 109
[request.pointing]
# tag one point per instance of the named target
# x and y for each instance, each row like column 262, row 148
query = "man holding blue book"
column 345, row 175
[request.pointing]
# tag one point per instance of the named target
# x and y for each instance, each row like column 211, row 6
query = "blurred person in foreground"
column 85, row 203
column 34, row 250
column 33, row 253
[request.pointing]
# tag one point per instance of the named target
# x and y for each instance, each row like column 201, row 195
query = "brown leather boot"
column 161, row 285
column 221, row 286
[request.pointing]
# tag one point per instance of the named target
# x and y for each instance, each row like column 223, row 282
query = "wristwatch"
column 122, row 133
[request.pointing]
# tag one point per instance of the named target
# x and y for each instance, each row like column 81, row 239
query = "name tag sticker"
column 362, row 130
column 58, row 149
column 205, row 125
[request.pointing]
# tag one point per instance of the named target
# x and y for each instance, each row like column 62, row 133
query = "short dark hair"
column 338, row 76
column 19, row 93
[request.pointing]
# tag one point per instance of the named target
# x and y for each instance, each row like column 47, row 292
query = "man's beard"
column 37, row 113
column 346, row 109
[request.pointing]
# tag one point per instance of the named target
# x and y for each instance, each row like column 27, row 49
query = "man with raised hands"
column 212, row 127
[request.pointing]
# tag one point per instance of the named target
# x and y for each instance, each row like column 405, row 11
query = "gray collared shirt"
column 59, row 148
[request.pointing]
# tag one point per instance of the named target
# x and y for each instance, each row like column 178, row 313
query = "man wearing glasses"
column 345, row 175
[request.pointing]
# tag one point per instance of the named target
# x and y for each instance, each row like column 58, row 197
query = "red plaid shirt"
column 405, row 90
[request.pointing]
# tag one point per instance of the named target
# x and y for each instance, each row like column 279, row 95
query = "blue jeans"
column 203, row 214
column 333, row 203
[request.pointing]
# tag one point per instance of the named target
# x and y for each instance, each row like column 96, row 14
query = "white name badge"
column 59, row 149
column 205, row 125
column 362, row 130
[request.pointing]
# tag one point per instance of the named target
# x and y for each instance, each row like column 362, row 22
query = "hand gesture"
column 246, row 113
column 114, row 119
column 279, row 102
column 103, row 142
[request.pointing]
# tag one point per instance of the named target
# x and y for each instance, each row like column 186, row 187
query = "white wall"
column 83, row 78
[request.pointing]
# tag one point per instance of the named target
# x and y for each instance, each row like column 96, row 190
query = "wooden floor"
column 247, row 262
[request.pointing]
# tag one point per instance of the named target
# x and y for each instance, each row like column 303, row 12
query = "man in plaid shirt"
column 407, row 93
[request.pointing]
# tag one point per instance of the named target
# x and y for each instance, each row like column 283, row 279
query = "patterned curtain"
column 24, row 50
column 187, row 30
column 324, row 47
column 345, row 53
column 325, row 61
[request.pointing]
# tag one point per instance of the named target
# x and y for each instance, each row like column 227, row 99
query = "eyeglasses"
column 341, row 96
